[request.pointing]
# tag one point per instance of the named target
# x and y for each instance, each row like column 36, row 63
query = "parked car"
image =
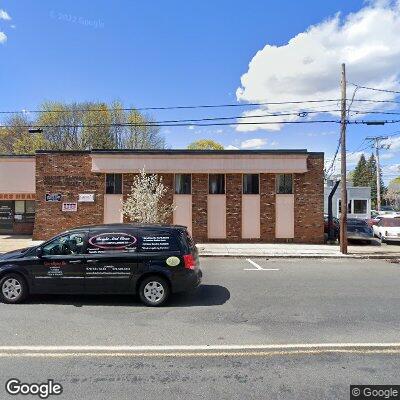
column 388, row 229
column 335, row 225
column 151, row 260
column 359, row 230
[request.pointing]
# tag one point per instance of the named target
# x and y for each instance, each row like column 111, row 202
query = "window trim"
column 208, row 185
column 105, row 182
column 259, row 184
column 191, row 184
column 277, row 183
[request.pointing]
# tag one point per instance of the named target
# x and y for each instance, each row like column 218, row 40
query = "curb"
column 308, row 256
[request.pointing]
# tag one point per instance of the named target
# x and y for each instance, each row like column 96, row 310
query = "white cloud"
column 386, row 156
column 191, row 127
column 231, row 147
column 253, row 143
column 308, row 66
column 4, row 15
column 3, row 37
column 393, row 143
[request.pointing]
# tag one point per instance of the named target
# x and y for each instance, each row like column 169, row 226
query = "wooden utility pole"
column 343, row 214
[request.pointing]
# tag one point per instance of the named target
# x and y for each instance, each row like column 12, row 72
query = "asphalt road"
column 296, row 301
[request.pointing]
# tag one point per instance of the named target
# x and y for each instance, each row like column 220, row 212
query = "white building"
column 358, row 197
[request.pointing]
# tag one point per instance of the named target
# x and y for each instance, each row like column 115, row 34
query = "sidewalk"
column 266, row 250
column 277, row 250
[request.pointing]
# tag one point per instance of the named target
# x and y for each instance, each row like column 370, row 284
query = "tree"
column 392, row 195
column 15, row 129
column 371, row 174
column 205, row 144
column 29, row 143
column 361, row 174
column 145, row 202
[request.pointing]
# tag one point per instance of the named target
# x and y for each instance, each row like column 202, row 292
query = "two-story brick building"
column 222, row 196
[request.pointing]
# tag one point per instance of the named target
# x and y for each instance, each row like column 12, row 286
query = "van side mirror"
column 39, row 252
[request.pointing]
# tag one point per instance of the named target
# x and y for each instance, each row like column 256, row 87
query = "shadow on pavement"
column 204, row 295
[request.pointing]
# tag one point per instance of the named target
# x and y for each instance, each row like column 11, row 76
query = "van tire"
column 154, row 291
column 18, row 285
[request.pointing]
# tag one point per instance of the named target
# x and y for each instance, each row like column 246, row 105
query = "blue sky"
column 183, row 53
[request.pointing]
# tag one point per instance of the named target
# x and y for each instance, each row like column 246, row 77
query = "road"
column 243, row 303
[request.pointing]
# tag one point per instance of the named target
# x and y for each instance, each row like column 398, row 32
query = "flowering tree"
column 144, row 203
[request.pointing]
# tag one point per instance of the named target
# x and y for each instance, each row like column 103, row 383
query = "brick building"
column 222, row 196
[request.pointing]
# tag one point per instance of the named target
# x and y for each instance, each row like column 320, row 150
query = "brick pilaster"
column 233, row 207
column 199, row 207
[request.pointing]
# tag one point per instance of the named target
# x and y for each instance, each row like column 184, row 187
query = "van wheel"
column 13, row 289
column 154, row 291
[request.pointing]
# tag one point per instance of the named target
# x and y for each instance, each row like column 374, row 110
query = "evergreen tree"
column 360, row 173
column 371, row 172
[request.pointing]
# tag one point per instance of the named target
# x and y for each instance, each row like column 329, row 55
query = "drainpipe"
column 330, row 216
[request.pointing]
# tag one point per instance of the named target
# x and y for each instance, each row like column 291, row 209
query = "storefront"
column 261, row 196
column 17, row 194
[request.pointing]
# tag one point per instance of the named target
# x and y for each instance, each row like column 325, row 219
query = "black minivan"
column 151, row 260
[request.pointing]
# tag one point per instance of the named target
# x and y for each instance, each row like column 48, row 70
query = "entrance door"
column 6, row 216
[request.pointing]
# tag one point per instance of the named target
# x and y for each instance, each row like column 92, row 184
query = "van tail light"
column 190, row 262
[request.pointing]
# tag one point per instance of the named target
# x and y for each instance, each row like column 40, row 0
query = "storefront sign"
column 86, row 197
column 17, row 196
column 69, row 207
column 53, row 197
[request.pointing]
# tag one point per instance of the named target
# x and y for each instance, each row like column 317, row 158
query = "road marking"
column 197, row 351
column 258, row 267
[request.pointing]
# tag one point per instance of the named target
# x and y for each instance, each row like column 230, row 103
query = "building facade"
column 358, row 201
column 221, row 196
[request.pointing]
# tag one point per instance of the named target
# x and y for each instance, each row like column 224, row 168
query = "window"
column 284, row 184
column 360, row 206
column 183, row 184
column 19, row 207
column 65, row 245
column 251, row 184
column 348, row 207
column 124, row 241
column 113, row 183
column 216, row 184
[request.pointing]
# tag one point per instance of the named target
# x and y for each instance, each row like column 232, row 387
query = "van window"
column 100, row 242
column 158, row 241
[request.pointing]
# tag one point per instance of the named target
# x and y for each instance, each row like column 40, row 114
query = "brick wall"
column 233, row 207
column 68, row 174
column 267, row 207
column 309, row 202
column 199, row 207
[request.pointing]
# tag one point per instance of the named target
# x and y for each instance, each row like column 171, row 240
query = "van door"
column 111, row 261
column 60, row 269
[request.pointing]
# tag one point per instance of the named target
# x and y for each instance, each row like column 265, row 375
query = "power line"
column 155, row 124
column 176, row 107
column 374, row 89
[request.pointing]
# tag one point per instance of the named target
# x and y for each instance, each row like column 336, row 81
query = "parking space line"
column 258, row 267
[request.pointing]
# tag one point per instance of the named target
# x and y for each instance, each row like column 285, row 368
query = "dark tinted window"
column 150, row 241
column 68, row 244
column 183, row 184
column 390, row 222
column 360, row 206
column 216, row 184
column 113, row 183
column 284, row 184
column 251, row 184
column 115, row 241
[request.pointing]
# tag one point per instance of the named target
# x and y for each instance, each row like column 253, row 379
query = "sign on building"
column 53, row 197
column 86, row 197
column 69, row 207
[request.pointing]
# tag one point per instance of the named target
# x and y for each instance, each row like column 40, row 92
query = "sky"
column 174, row 53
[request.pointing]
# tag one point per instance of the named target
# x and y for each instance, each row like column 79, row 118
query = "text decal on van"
column 113, row 241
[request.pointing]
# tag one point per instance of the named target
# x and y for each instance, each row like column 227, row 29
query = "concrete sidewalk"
column 265, row 250
column 269, row 250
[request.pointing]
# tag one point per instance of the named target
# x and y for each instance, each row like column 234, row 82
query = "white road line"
column 258, row 267
column 217, row 347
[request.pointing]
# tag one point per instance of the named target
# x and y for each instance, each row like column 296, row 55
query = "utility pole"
column 343, row 122
column 377, row 145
